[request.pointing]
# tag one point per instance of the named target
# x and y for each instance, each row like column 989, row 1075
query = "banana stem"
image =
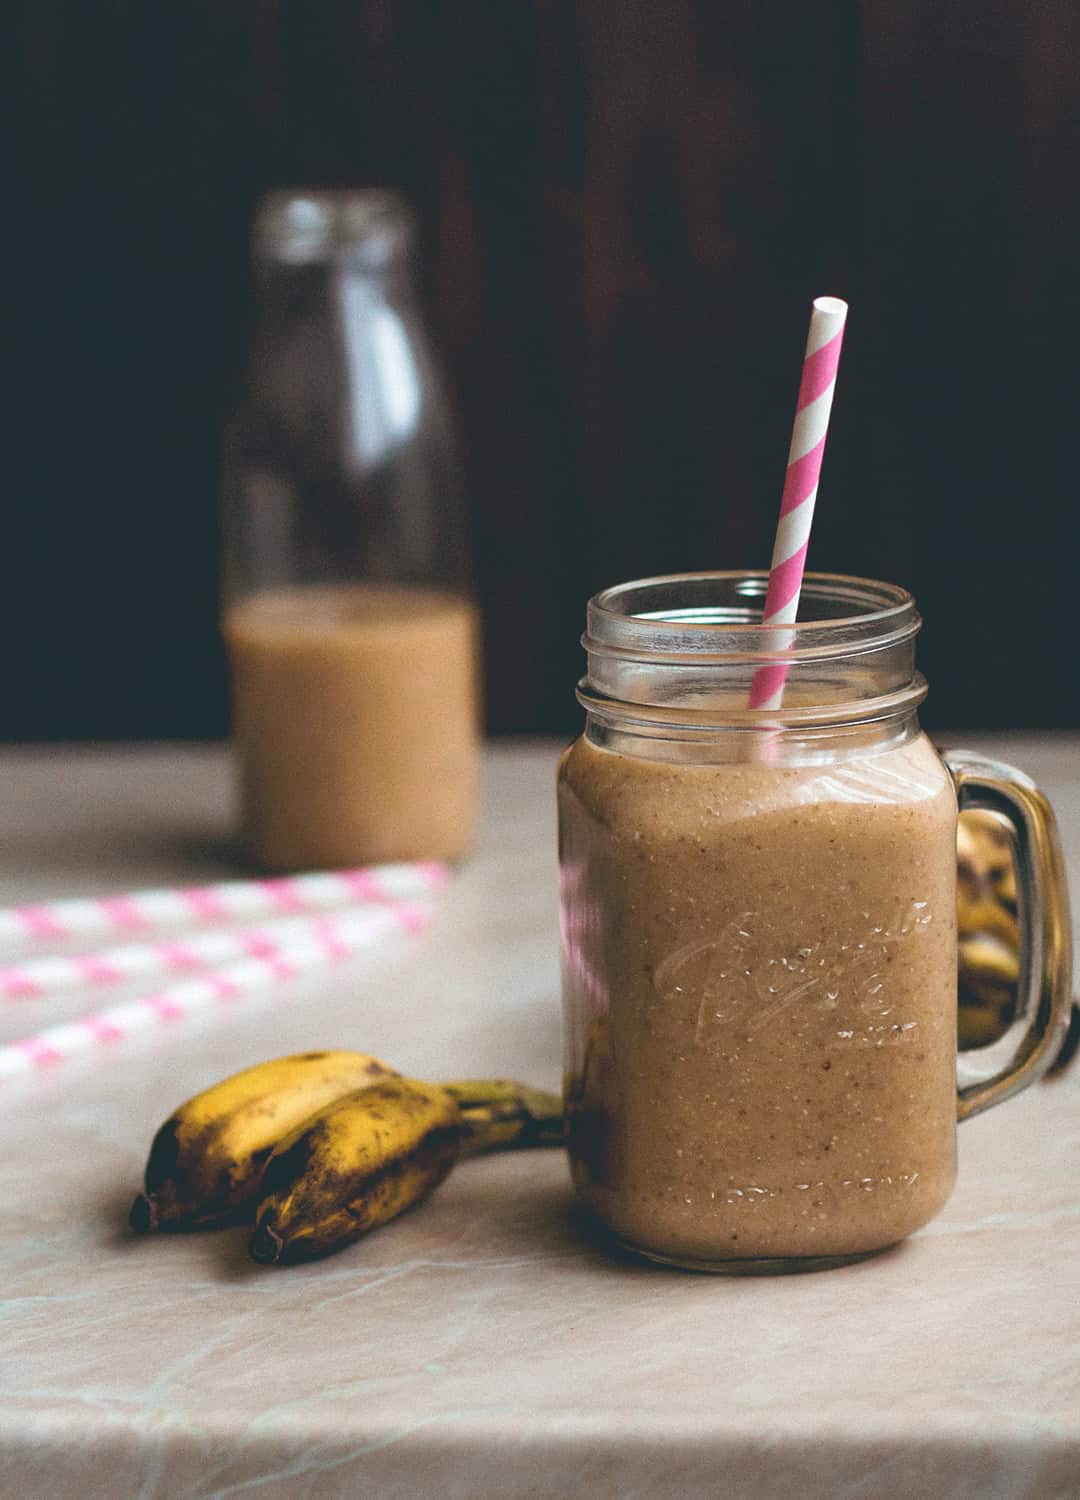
column 501, row 1115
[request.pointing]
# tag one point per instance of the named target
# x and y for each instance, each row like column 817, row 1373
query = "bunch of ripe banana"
column 990, row 937
column 317, row 1149
column 988, row 929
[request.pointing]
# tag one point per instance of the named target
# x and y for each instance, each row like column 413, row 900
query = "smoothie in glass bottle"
column 356, row 717
column 352, row 639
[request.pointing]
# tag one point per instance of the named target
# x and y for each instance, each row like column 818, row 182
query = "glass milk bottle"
column 351, row 636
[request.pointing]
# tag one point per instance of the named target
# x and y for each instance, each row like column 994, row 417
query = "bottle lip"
column 299, row 225
column 715, row 616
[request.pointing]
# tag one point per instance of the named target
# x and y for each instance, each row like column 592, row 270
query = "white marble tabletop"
column 484, row 1345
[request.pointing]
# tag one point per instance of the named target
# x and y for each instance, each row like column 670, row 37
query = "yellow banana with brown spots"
column 352, row 1166
column 206, row 1161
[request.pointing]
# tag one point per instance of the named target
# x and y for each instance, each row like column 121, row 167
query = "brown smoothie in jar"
column 355, row 718
column 760, row 978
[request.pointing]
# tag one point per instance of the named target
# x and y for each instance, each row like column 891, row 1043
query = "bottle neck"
column 275, row 279
column 319, row 254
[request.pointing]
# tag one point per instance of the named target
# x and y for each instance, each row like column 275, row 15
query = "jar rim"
column 619, row 623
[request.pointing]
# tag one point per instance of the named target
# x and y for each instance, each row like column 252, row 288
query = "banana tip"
column 143, row 1217
column 265, row 1246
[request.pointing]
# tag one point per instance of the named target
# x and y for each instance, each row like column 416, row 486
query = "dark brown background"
column 626, row 208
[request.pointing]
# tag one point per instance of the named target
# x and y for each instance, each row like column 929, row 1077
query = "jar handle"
column 1044, row 992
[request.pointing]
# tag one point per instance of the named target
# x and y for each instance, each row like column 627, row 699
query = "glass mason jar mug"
column 759, row 927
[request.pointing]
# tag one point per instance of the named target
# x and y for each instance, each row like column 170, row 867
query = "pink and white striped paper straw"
column 800, row 488
column 55, row 973
column 103, row 916
column 327, row 941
